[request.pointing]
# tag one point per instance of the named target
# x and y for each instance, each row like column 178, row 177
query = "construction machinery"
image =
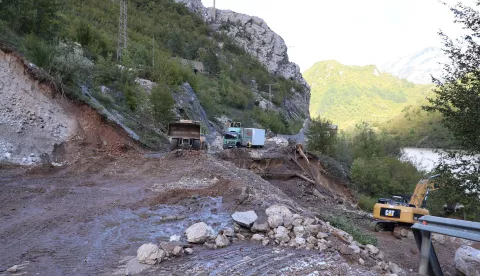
column 403, row 211
column 186, row 134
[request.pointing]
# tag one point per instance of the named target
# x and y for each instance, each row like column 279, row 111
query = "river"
column 423, row 158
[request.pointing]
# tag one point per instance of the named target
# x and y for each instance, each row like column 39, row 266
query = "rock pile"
column 279, row 226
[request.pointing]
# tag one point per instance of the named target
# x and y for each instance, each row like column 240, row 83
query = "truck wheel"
column 173, row 144
column 239, row 145
column 196, row 145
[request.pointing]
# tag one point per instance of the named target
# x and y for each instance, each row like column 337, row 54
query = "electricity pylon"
column 122, row 29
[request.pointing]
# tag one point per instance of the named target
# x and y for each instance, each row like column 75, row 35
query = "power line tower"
column 270, row 94
column 122, row 29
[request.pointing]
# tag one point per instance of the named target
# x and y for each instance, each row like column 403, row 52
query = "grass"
column 347, row 225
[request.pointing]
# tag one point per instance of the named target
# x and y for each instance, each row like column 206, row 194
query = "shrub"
column 366, row 203
column 349, row 226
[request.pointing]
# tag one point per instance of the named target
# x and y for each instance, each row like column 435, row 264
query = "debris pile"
column 280, row 227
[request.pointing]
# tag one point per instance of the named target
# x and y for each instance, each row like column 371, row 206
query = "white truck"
column 253, row 137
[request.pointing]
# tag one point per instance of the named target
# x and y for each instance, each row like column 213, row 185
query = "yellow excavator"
column 402, row 211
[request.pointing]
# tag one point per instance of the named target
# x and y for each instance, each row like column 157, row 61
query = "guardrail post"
column 425, row 252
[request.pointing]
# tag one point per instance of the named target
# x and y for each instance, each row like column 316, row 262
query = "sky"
column 353, row 32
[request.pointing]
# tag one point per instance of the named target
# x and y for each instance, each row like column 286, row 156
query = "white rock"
column 150, row 254
column 372, row 249
column 265, row 241
column 355, row 248
column 361, row 261
column 308, row 221
column 299, row 241
column 299, row 231
column 467, row 261
column 258, row 237
column 282, row 234
column 275, row 220
column 281, row 210
column 13, row 269
column 175, row 238
column 314, row 229
column 198, row 233
column 245, row 218
column 222, row 241
column 188, row 251
column 228, row 232
column 321, row 235
column 394, row 268
column 177, row 251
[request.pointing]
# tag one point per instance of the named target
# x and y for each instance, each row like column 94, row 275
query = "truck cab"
column 232, row 138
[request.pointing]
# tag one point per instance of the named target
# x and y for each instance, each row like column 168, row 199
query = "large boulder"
column 150, row 254
column 198, row 233
column 245, row 218
column 467, row 261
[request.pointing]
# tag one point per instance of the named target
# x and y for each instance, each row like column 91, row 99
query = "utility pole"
column 153, row 50
column 122, row 29
column 214, row 12
column 270, row 92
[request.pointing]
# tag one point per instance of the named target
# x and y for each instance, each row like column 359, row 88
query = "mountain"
column 418, row 67
column 347, row 95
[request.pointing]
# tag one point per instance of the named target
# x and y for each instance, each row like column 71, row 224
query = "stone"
column 394, row 268
column 314, row 229
column 380, row 256
column 355, row 248
column 240, row 237
column 177, row 251
column 299, row 241
column 404, row 232
column 210, row 245
column 245, row 218
column 312, row 240
column 297, row 221
column 288, row 222
column 258, row 237
column 188, row 251
column 175, row 238
column 168, row 247
column 467, row 261
column 345, row 249
column 282, row 234
column 265, row 241
column 275, row 221
column 198, row 232
column 260, row 226
column 361, row 261
column 308, row 221
column 150, row 254
column 228, row 232
column 299, row 231
column 321, row 235
column 13, row 269
column 372, row 249
column 281, row 210
column 222, row 241
column 322, row 246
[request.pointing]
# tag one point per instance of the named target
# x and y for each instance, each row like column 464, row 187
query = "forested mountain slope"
column 347, row 95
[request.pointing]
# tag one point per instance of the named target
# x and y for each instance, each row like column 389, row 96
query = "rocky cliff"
column 253, row 34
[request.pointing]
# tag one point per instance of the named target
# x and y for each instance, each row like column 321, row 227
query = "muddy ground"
column 89, row 217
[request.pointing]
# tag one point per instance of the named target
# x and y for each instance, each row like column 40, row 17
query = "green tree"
column 457, row 98
column 162, row 103
column 321, row 136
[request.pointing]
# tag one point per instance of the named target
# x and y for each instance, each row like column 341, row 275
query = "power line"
column 122, row 29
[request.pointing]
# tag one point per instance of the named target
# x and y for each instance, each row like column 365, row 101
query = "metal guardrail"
column 422, row 230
